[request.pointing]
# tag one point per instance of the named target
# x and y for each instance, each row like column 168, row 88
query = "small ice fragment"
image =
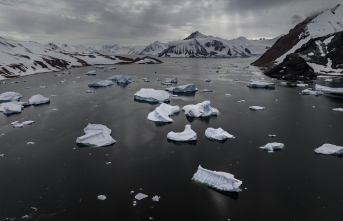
column 156, row 198
column 328, row 80
column 30, row 143
column 207, row 80
column 131, row 192
column 53, row 95
column 90, row 91
column 302, row 85
column 42, row 87
column 207, row 90
column 182, row 88
column 227, row 94
column 9, row 97
column 15, row 122
column 256, row 108
column 311, row 92
column 27, row 87
column 2, row 155
column 91, row 73
column 255, row 83
column 140, row 196
column 338, row 109
column 34, row 208
column 241, row 101
column 38, row 99
column 171, row 80
column 107, row 163
column 329, row 149
column 102, row 83
column 28, row 122
column 270, row 147
column 66, row 72
column 18, row 125
column 101, row 197
column 175, row 95
column 111, row 68
column 271, row 135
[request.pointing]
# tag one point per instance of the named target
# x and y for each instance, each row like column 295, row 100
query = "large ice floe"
column 329, row 149
column 162, row 113
column 96, row 135
column 217, row 134
column 270, row 147
column 187, row 135
column 256, row 83
column 311, row 92
column 182, row 89
column 11, row 108
column 9, row 96
column 218, row 180
column 38, row 99
column 121, row 79
column 152, row 96
column 200, row 110
column 329, row 89
column 102, row 83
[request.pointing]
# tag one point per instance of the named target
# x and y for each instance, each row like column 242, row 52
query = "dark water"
column 63, row 181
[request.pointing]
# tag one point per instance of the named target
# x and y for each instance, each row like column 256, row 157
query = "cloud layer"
column 140, row 22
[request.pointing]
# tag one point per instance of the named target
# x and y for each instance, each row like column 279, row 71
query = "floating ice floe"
column 90, row 91
column 102, row 83
column 256, row 108
column 111, row 68
column 207, row 80
column 271, row 135
column 38, row 99
column 256, row 83
column 152, row 96
column 187, row 135
column 29, row 122
column 101, row 197
column 200, row 110
column 338, row 109
column 11, row 108
column 121, row 79
column 328, row 80
column 241, row 101
column 329, row 149
column 42, row 87
column 182, row 89
column 9, row 96
column 18, row 125
column 165, row 83
column 30, row 143
column 329, row 89
column 146, row 79
column 91, row 73
column 141, row 196
column 218, row 180
column 217, row 134
column 2, row 155
column 171, row 80
column 156, row 198
column 207, row 90
column 214, row 71
column 66, row 72
column 162, row 113
column 270, row 147
column 311, row 92
column 96, row 135
column 302, row 85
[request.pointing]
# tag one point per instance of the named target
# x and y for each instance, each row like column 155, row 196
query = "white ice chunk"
column 182, row 88
column 91, row 73
column 101, row 197
column 111, row 68
column 338, row 109
column 30, row 143
column 241, row 101
column 200, row 110
column 102, row 83
column 96, row 135
column 256, row 83
column 28, row 122
column 141, row 196
column 217, row 134
column 207, row 90
column 273, row 146
column 329, row 149
column 171, row 80
column 66, row 72
column 131, row 192
column 271, row 135
column 38, row 99
column 156, row 198
column 311, row 92
column 329, row 89
column 2, row 155
column 302, row 85
column 9, row 97
column 90, row 91
column 11, row 108
column 328, row 80
column 152, row 95
column 187, row 135
column 162, row 113
column 15, row 122
column 18, row 125
column 121, row 79
column 219, row 180
column 256, row 108
column 42, row 87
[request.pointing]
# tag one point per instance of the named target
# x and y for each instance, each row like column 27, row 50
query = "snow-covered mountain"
column 18, row 58
column 321, row 24
column 154, row 48
column 200, row 45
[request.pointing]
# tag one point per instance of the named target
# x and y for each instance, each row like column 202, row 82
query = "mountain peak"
column 195, row 34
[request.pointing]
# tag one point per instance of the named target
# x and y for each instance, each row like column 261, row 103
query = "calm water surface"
column 56, row 180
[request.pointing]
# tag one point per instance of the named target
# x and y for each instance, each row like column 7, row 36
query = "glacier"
column 162, row 113
column 217, row 134
column 270, row 147
column 102, row 83
column 218, row 180
column 96, row 135
column 38, row 99
column 187, row 135
column 182, row 89
column 200, row 110
column 9, row 96
column 152, row 96
column 329, row 149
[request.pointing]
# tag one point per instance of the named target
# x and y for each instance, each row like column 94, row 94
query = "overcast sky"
column 140, row 22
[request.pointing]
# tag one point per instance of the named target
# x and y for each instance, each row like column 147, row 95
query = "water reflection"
column 202, row 119
column 232, row 195
column 181, row 143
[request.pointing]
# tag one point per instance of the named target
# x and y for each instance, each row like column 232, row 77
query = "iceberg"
column 152, row 96
column 329, row 149
column 338, row 109
column 96, row 135
column 329, row 90
column 141, row 196
column 9, row 96
column 102, row 83
column 121, row 79
column 256, row 108
column 200, row 110
column 171, row 80
column 101, row 197
column 66, row 72
column 156, row 198
column 217, row 134
column 310, row 92
column 38, row 99
column 182, row 88
column 91, row 73
column 11, row 108
column 187, row 135
column 270, row 147
column 29, row 122
column 218, row 180
column 162, row 113
column 255, row 83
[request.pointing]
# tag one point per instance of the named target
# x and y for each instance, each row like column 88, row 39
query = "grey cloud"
column 295, row 19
